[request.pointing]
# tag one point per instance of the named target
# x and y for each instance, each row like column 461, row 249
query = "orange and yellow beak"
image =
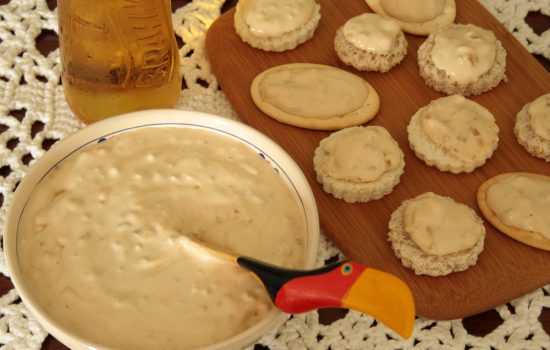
column 384, row 297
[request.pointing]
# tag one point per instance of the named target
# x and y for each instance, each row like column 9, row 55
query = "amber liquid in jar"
column 117, row 56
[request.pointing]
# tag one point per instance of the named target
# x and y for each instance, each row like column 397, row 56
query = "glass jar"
column 117, row 56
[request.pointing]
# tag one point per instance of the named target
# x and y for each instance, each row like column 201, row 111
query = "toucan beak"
column 384, row 297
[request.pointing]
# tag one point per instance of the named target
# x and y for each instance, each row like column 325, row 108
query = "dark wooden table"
column 478, row 325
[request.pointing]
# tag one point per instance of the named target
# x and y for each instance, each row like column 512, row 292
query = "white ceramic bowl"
column 278, row 158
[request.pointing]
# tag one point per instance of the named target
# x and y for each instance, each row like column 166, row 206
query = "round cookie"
column 532, row 127
column 462, row 59
column 435, row 235
column 276, row 25
column 314, row 96
column 419, row 17
column 517, row 205
column 453, row 134
column 370, row 42
column 359, row 164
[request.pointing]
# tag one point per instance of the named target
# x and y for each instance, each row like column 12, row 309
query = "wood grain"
column 506, row 269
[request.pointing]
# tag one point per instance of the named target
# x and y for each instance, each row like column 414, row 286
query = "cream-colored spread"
column 463, row 128
column 372, row 32
column 313, row 92
column 362, row 155
column 539, row 111
column 266, row 18
column 439, row 226
column 523, row 202
column 464, row 52
column 419, row 17
column 413, row 11
column 100, row 239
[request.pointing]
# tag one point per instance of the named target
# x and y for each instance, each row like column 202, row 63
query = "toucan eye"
column 346, row 269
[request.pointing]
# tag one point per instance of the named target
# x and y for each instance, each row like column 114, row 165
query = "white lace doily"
column 34, row 115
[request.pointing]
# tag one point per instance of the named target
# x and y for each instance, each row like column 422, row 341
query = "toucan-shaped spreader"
column 344, row 284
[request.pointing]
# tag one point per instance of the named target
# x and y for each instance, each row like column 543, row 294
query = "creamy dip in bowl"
column 93, row 236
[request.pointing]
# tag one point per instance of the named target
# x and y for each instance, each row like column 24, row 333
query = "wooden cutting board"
column 506, row 268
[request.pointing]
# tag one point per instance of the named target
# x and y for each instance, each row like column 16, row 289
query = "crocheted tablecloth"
column 34, row 115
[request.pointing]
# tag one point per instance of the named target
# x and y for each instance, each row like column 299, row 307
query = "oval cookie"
column 314, row 96
column 517, row 204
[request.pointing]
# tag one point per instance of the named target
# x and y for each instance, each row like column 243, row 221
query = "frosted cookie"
column 518, row 204
column 276, row 25
column 453, row 134
column 370, row 42
column 462, row 59
column 420, row 17
column 532, row 128
column 359, row 164
column 435, row 235
column 314, row 96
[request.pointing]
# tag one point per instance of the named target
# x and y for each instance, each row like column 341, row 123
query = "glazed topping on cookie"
column 522, row 201
column 267, row 18
column 439, row 226
column 464, row 52
column 463, row 128
column 372, row 32
column 313, row 92
column 363, row 155
column 413, row 11
column 539, row 111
